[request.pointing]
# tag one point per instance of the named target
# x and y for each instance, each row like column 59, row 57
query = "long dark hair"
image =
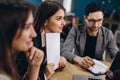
column 12, row 17
column 45, row 10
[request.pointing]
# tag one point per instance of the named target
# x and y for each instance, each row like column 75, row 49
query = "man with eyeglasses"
column 85, row 42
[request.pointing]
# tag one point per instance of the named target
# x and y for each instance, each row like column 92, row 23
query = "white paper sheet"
column 53, row 48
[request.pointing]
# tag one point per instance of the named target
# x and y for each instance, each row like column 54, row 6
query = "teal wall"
column 35, row 2
column 79, row 6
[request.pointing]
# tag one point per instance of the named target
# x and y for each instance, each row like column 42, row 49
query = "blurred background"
column 75, row 13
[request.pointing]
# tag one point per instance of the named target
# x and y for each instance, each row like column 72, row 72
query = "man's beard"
column 92, row 29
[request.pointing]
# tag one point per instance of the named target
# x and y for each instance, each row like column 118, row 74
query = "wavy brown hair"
column 12, row 17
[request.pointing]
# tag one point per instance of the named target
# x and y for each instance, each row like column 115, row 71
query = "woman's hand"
column 62, row 62
column 35, row 57
column 49, row 70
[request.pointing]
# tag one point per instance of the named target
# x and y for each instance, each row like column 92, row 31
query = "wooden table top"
column 71, row 69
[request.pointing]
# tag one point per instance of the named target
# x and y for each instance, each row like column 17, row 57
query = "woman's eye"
column 26, row 27
column 58, row 18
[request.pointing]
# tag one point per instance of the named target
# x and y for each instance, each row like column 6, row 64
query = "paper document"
column 53, row 48
column 98, row 68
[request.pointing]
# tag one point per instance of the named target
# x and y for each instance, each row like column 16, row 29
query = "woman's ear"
column 45, row 23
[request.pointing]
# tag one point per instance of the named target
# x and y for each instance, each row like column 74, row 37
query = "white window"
column 67, row 4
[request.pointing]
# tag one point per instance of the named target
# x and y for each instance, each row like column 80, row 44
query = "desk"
column 69, row 70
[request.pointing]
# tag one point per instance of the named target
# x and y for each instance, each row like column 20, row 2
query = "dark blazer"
column 38, row 43
column 22, row 63
column 76, row 40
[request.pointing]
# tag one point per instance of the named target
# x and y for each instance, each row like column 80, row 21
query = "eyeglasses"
column 93, row 21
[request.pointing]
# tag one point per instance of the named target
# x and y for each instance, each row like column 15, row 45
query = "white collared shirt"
column 43, row 38
column 43, row 45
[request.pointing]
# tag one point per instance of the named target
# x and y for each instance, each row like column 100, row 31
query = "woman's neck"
column 46, row 30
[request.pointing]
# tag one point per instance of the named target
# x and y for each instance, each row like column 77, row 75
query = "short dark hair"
column 93, row 7
column 45, row 10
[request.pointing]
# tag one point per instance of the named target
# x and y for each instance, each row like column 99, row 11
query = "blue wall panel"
column 79, row 6
column 35, row 2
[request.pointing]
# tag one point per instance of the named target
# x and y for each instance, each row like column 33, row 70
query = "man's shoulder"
column 107, row 33
column 79, row 27
column 106, row 30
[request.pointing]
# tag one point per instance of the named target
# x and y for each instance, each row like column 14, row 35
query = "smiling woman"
column 16, row 33
column 49, row 19
column 23, row 37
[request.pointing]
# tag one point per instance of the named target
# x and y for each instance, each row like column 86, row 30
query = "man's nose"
column 96, row 23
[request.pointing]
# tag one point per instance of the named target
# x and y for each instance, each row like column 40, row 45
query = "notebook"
column 85, row 77
column 98, row 68
column 114, row 66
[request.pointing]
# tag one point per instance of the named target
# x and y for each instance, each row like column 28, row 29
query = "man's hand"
column 84, row 62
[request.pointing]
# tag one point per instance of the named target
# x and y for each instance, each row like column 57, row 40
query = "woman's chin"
column 30, row 45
